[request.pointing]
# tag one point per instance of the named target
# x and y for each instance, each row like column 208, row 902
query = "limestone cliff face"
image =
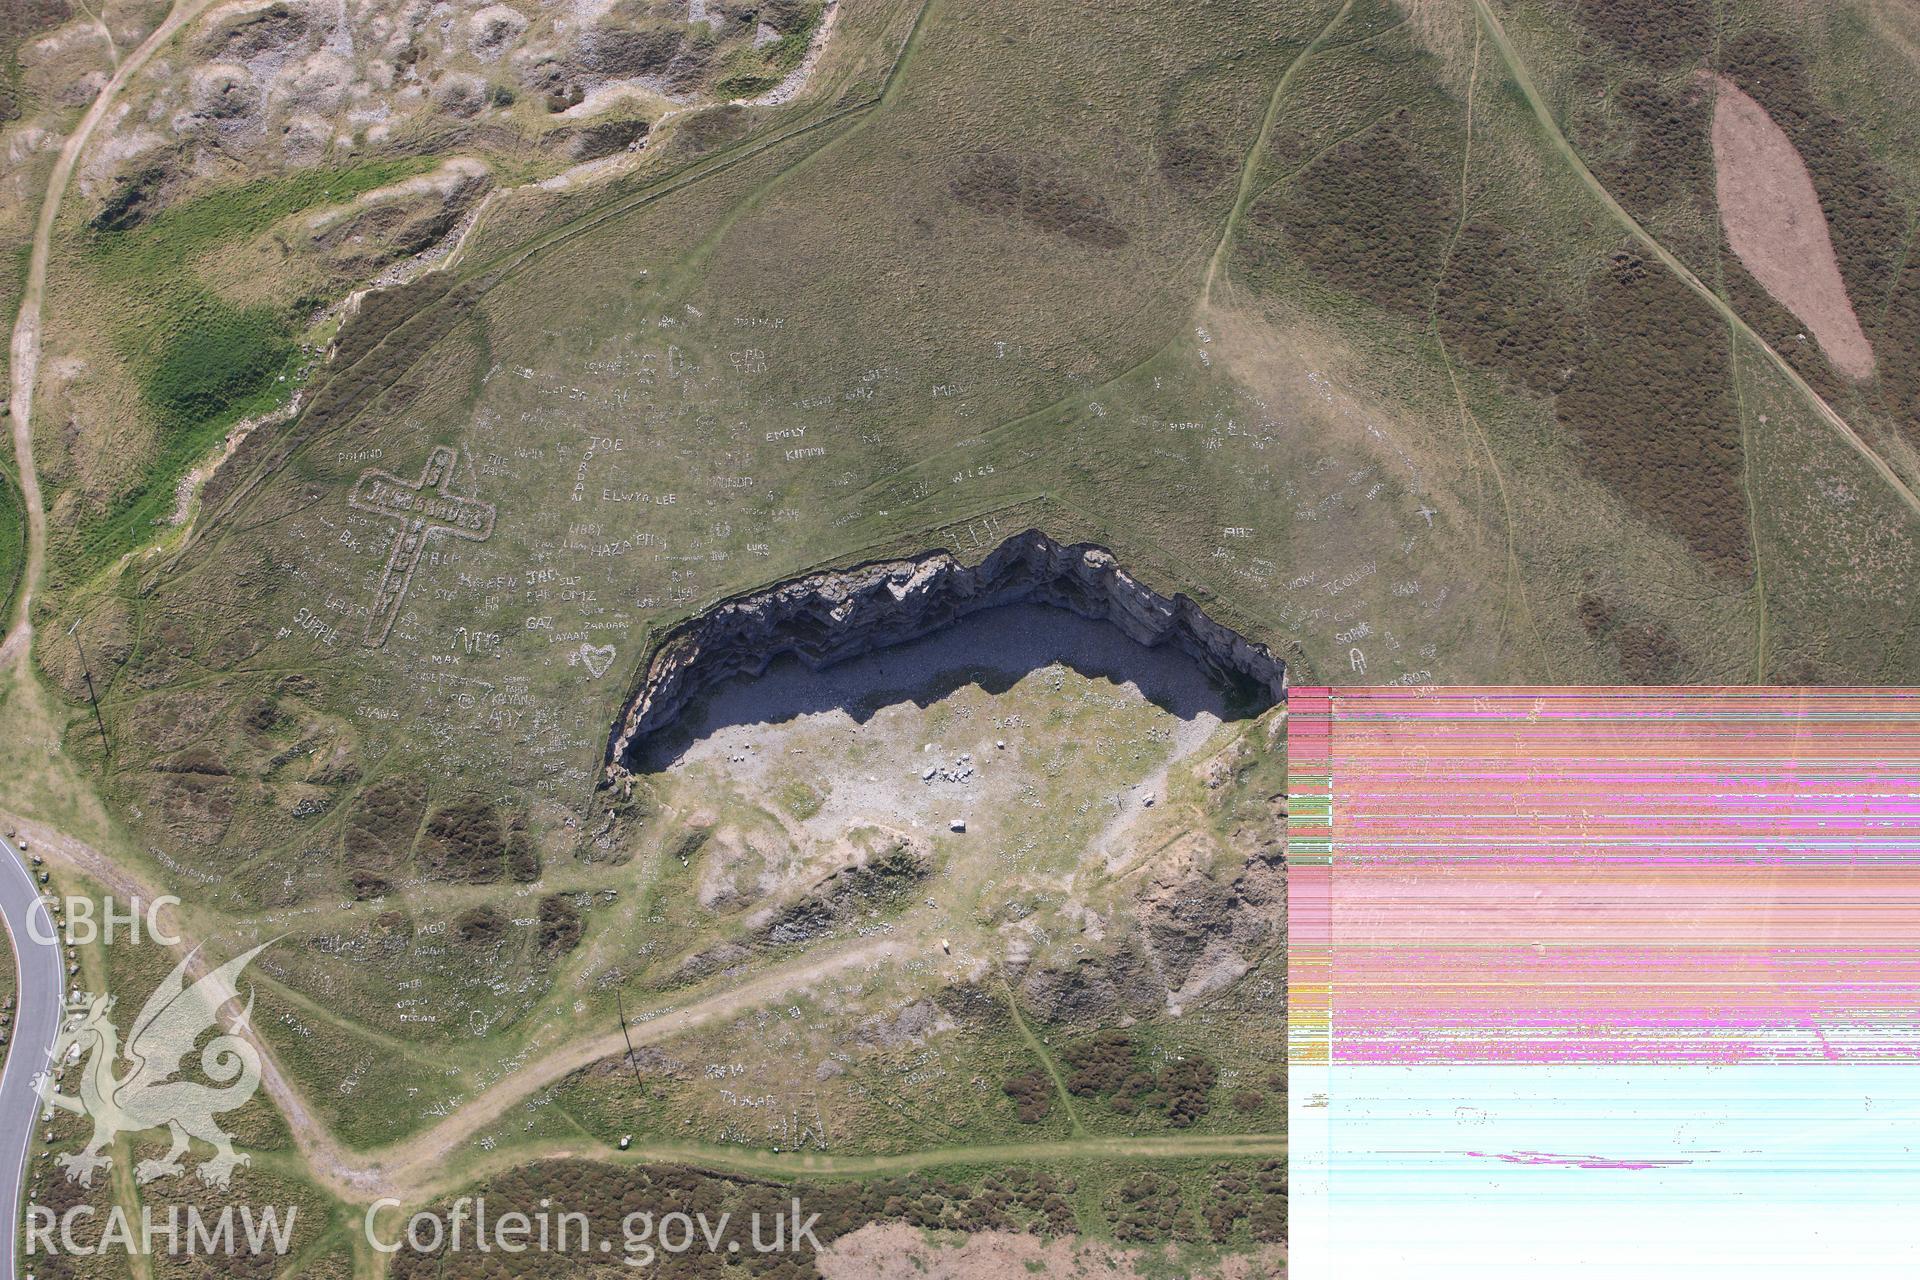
column 828, row 617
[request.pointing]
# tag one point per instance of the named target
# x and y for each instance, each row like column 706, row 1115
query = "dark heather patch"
column 1496, row 311
column 1652, row 406
column 1370, row 217
column 1666, row 34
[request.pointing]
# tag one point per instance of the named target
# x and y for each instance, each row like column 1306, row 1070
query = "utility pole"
column 621, row 1006
column 87, row 670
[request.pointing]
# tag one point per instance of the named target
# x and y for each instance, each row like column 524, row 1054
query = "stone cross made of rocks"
column 424, row 507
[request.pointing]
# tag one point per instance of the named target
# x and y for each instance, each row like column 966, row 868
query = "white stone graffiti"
column 424, row 507
column 595, row 658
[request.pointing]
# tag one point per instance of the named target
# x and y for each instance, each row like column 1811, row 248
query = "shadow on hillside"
column 991, row 650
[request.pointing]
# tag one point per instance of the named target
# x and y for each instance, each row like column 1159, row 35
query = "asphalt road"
column 36, row 1020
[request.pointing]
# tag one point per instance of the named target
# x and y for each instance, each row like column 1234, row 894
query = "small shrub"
column 1032, row 1094
column 560, row 925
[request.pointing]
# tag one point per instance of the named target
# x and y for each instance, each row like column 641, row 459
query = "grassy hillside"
column 13, row 545
column 1403, row 338
column 1314, row 322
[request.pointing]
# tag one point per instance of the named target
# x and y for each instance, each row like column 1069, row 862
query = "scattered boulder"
column 222, row 91
column 623, row 52
column 135, row 197
column 317, row 84
column 886, row 867
column 492, row 29
column 401, row 220
column 911, row 1025
column 1095, row 988
column 273, row 29
column 461, row 94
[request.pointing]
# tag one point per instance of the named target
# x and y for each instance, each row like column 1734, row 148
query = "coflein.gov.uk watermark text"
column 467, row 1225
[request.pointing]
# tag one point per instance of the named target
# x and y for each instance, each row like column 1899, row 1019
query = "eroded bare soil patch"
column 897, row 1251
column 1775, row 226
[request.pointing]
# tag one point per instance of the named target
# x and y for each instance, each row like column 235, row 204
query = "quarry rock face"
column 831, row 616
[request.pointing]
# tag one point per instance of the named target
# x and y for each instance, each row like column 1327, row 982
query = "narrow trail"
column 407, row 1168
column 1250, row 167
column 1517, row 70
column 741, row 1160
column 417, row 1164
column 433, row 1162
column 1046, row 1060
column 424, row 1165
column 24, row 366
column 1514, row 602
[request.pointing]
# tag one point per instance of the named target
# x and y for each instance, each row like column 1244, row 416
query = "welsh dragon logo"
column 146, row 1096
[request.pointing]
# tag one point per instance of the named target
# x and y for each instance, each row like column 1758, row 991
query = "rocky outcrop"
column 831, row 616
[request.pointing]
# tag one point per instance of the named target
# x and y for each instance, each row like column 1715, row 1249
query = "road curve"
column 41, row 989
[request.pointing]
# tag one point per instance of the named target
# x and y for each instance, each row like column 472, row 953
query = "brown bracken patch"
column 1667, row 34
column 381, row 827
column 463, row 843
column 1494, row 310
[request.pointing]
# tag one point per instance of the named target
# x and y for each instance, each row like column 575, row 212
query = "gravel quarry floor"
column 911, row 736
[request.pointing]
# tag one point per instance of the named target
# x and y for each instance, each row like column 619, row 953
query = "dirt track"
column 410, row 1167
column 896, row 1251
column 413, row 1167
column 1517, row 70
column 423, row 1166
column 24, row 365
